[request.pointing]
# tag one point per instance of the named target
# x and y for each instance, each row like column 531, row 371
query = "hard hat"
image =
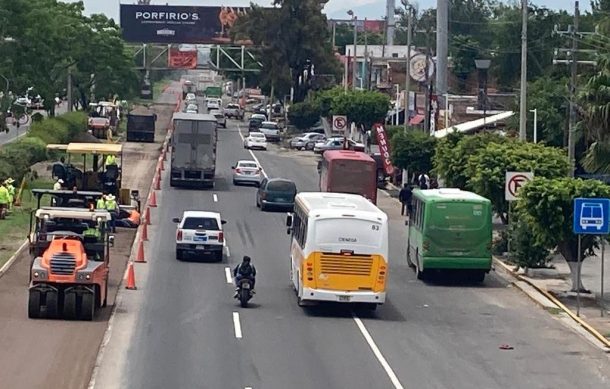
column 110, row 197
column 10, row 180
column 60, row 181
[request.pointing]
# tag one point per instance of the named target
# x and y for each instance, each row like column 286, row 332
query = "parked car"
column 200, row 233
column 259, row 116
column 337, row 144
column 248, row 172
column 271, row 131
column 276, row 192
column 220, row 117
column 306, row 141
column 234, row 111
column 255, row 140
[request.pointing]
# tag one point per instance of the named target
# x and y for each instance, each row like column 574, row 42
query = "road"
column 39, row 354
column 17, row 132
column 182, row 329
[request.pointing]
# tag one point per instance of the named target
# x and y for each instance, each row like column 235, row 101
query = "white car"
column 247, row 172
column 271, row 131
column 306, row 141
column 199, row 233
column 256, row 140
column 220, row 117
column 191, row 108
column 258, row 116
column 190, row 96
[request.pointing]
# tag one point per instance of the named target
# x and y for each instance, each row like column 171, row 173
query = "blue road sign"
column 591, row 216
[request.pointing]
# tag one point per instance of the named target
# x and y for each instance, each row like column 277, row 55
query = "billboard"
column 179, row 24
column 182, row 59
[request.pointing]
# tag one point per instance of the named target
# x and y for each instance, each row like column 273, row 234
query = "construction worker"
column 101, row 202
column 110, row 160
column 11, row 191
column 132, row 221
column 111, row 206
column 4, row 199
column 58, row 184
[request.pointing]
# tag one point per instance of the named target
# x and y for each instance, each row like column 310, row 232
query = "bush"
column 304, row 115
column 526, row 251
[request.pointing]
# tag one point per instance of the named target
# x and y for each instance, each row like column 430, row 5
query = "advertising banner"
column 179, row 59
column 384, row 147
column 179, row 24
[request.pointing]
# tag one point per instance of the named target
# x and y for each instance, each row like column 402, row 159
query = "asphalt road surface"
column 17, row 132
column 183, row 329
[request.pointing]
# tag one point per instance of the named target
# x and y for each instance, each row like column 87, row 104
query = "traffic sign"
column 591, row 216
column 339, row 123
column 514, row 181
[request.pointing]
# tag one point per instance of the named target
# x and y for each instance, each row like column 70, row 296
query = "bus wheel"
column 371, row 306
column 421, row 274
column 409, row 262
column 477, row 276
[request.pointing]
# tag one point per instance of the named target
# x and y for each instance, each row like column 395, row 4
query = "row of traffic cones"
column 152, row 203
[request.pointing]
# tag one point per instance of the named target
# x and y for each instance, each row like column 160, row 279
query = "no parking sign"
column 339, row 123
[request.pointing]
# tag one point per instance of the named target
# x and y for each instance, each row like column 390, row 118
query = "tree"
column 291, row 37
column 452, row 153
column 546, row 206
column 549, row 97
column 304, row 115
column 487, row 168
column 364, row 108
column 413, row 151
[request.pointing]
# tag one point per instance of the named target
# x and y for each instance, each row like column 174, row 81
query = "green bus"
column 450, row 229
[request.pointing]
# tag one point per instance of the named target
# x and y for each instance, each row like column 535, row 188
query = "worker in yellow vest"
column 4, row 198
column 11, row 192
column 112, row 207
column 110, row 160
column 101, row 202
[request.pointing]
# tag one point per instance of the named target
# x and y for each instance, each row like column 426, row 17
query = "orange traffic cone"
column 144, row 235
column 157, row 181
column 147, row 216
column 164, row 154
column 140, row 255
column 161, row 164
column 131, row 278
column 153, row 199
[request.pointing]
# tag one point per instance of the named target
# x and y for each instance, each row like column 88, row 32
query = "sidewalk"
column 556, row 281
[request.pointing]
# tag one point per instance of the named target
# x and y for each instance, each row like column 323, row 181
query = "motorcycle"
column 244, row 291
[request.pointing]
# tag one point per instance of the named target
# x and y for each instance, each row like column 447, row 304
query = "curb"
column 5, row 268
column 605, row 343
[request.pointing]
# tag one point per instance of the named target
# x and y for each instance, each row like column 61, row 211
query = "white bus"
column 339, row 249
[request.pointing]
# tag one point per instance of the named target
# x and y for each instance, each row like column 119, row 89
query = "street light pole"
column 535, row 111
column 483, row 66
column 408, row 71
column 355, row 19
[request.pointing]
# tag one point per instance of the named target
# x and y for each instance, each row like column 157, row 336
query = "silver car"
column 306, row 141
column 220, row 117
column 247, row 172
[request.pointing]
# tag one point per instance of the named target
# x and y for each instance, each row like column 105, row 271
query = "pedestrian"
column 110, row 160
column 405, row 196
column 101, row 202
column 11, row 192
column 111, row 207
column 132, row 221
column 4, row 198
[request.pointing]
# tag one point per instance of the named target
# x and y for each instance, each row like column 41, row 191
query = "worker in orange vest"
column 132, row 221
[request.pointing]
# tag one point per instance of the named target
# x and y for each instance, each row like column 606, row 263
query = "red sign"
column 182, row 59
column 384, row 147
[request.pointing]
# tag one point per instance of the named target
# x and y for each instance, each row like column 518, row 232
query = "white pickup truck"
column 234, row 111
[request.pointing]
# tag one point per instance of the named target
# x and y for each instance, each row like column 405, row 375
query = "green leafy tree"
column 453, row 152
column 290, row 36
column 413, row 151
column 546, row 207
column 487, row 168
column 549, row 97
column 364, row 108
column 304, row 115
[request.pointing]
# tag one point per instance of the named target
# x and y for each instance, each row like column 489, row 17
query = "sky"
column 372, row 9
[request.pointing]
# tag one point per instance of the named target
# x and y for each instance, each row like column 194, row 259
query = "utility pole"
column 390, row 27
column 408, row 71
column 355, row 51
column 366, row 59
column 428, row 83
column 442, row 27
column 523, row 92
column 573, row 75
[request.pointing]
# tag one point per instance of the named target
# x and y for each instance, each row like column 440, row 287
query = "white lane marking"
column 248, row 387
column 228, row 275
column 228, row 251
column 251, row 153
column 377, row 352
column 237, row 325
column 215, row 197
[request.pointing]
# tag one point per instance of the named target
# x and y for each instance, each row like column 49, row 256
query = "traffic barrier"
column 152, row 202
column 131, row 278
column 157, row 181
column 140, row 255
column 144, row 232
column 147, row 216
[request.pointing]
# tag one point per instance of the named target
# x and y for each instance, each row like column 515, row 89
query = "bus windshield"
column 353, row 177
column 457, row 217
column 348, row 233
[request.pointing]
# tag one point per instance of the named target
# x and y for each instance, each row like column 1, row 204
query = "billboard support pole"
column 144, row 57
column 218, row 56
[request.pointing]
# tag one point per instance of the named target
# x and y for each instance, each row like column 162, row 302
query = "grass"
column 15, row 228
column 158, row 86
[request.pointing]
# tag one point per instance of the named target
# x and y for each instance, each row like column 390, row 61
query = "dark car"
column 254, row 124
column 276, row 192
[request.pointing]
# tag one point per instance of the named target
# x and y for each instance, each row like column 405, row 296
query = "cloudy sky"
column 372, row 9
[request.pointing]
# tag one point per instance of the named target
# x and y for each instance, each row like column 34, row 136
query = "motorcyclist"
column 244, row 270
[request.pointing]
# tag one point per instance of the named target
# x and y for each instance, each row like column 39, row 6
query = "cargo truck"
column 213, row 91
column 141, row 125
column 193, row 146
